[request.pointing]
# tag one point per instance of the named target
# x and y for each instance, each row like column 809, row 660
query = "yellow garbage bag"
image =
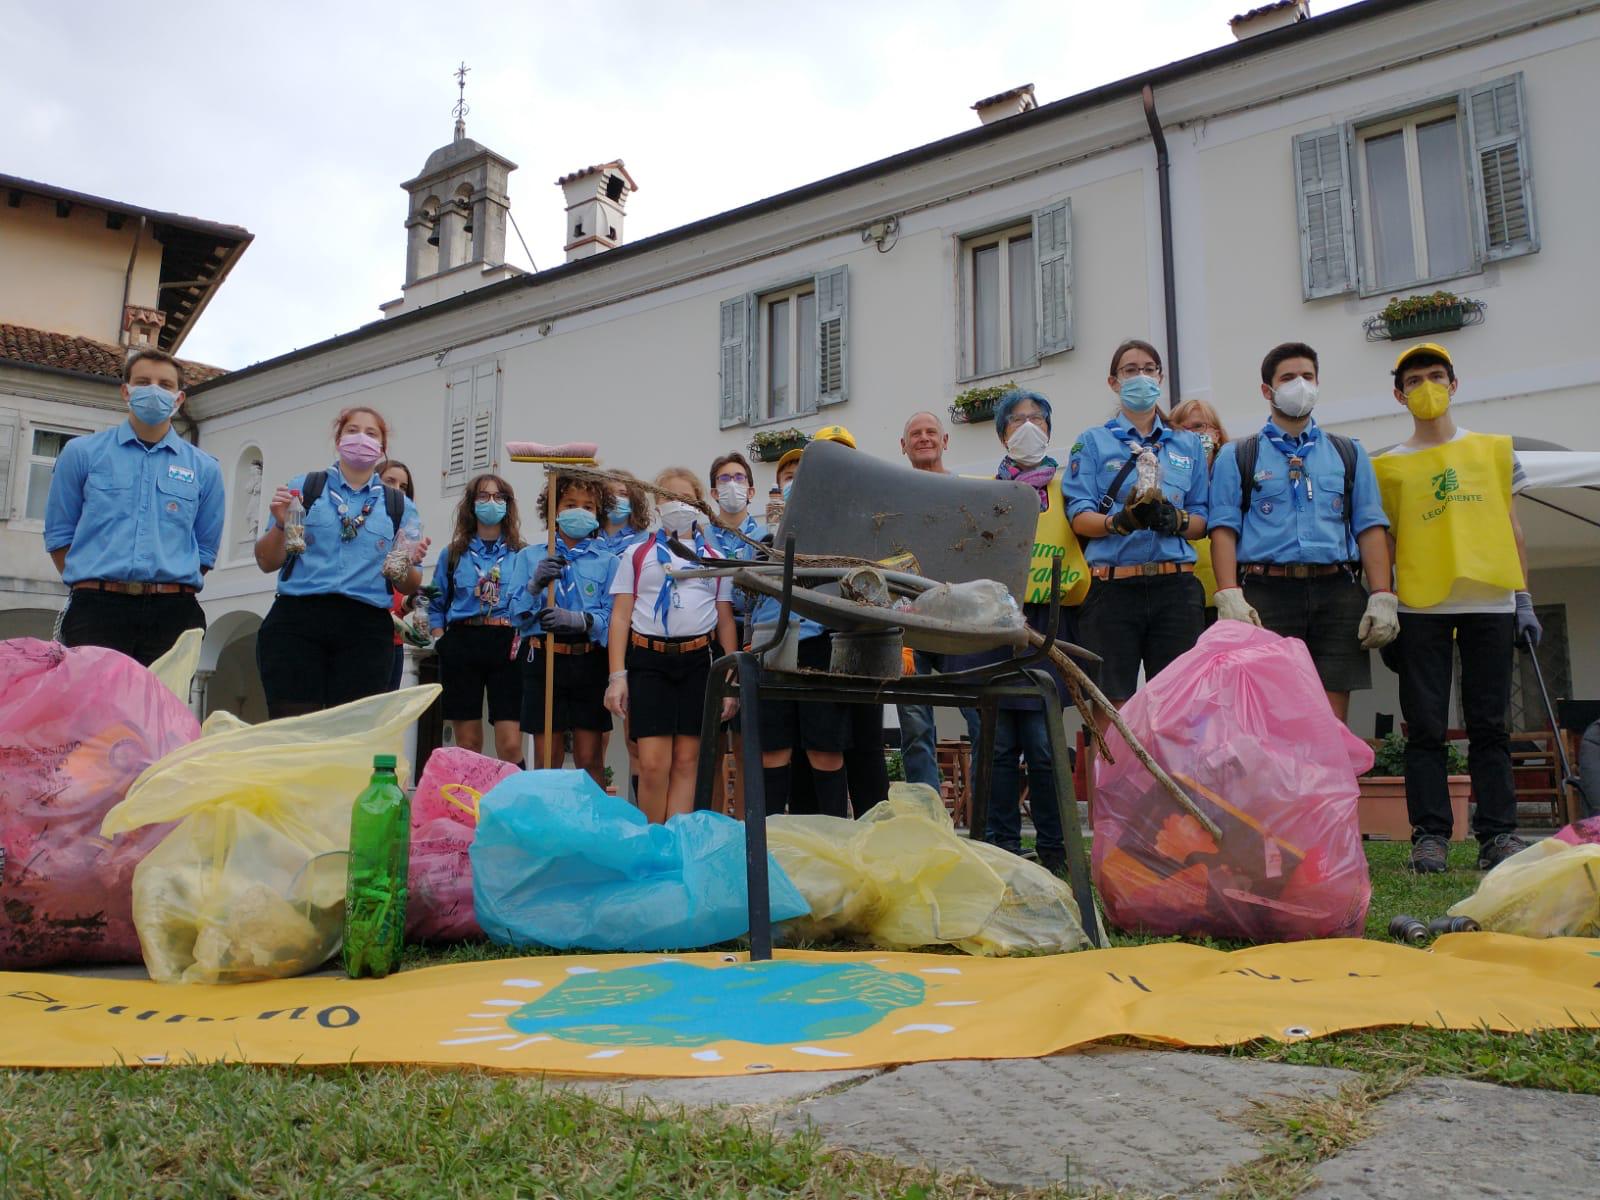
column 175, row 669
column 251, row 884
column 900, row 878
column 1551, row 889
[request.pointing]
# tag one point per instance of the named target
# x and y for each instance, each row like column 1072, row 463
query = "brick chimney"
column 1269, row 17
column 1007, row 104
column 596, row 197
column 141, row 326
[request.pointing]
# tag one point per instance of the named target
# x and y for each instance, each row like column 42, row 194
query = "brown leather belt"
column 134, row 587
column 498, row 621
column 583, row 647
column 1141, row 570
column 671, row 645
column 1293, row 570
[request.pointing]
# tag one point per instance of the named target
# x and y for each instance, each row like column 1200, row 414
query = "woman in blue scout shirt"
column 397, row 475
column 1145, row 605
column 328, row 639
column 627, row 516
column 733, row 486
column 133, row 520
column 471, row 623
column 581, row 568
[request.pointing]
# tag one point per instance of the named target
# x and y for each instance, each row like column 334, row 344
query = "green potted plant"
column 772, row 444
column 977, row 404
column 1437, row 312
column 1382, row 805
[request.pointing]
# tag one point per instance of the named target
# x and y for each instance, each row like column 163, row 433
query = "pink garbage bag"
column 453, row 765
column 439, row 880
column 77, row 726
column 1242, row 724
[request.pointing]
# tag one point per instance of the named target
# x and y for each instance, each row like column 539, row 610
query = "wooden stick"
column 550, row 637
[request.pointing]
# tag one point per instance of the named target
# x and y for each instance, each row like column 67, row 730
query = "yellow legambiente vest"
column 1203, row 570
column 1054, row 538
column 1449, row 509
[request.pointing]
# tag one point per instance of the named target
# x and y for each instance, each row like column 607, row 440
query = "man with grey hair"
column 923, row 441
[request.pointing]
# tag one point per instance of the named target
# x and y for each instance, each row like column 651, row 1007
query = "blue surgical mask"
column 786, row 488
column 490, row 512
column 577, row 523
column 1140, row 393
column 152, row 403
column 620, row 510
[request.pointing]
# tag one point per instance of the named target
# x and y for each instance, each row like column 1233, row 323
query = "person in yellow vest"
column 1022, row 421
column 1200, row 419
column 1461, row 574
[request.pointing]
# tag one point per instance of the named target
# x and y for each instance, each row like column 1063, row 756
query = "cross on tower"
column 461, row 108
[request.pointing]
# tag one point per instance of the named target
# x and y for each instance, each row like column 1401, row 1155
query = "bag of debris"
column 66, row 893
column 900, row 878
column 251, row 883
column 559, row 863
column 450, row 773
column 1242, row 724
column 1551, row 889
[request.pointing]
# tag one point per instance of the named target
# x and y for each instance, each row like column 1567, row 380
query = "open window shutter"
column 1052, row 252
column 457, row 429
column 734, row 371
column 1504, row 178
column 10, row 422
column 485, row 408
column 1327, row 229
column 833, row 335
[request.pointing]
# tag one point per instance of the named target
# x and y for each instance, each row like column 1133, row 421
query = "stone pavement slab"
column 1151, row 1121
column 1448, row 1137
column 777, row 1088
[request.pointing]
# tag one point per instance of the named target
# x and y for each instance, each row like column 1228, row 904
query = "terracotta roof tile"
column 595, row 169
column 65, row 352
column 1263, row 10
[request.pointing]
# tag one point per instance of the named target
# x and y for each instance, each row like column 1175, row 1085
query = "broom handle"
column 550, row 638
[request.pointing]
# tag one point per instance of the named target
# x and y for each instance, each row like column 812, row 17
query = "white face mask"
column 1026, row 444
column 732, row 497
column 677, row 517
column 1296, row 398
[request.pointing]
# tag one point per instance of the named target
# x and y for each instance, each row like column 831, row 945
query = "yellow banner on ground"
column 711, row 1014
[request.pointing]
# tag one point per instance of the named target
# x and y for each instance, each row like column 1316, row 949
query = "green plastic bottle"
column 375, row 891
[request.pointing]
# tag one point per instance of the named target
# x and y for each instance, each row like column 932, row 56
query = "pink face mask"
column 360, row 450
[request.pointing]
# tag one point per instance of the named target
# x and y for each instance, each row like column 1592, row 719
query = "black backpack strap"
column 1347, row 455
column 1244, row 453
column 310, row 488
column 1110, row 497
column 394, row 502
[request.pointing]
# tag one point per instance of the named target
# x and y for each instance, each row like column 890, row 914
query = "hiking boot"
column 1054, row 861
column 1430, row 855
column 1497, row 849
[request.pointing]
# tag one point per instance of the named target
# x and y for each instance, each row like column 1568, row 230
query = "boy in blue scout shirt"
column 1315, row 519
column 1145, row 605
column 133, row 520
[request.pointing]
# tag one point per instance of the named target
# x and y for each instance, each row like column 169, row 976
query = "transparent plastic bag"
column 981, row 603
column 175, row 669
column 250, row 885
column 1551, row 889
column 66, row 892
column 901, row 878
column 1242, row 724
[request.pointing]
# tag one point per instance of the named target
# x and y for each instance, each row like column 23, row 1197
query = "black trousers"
column 1422, row 654
column 142, row 627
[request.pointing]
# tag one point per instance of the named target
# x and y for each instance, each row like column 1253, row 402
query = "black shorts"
column 474, row 659
column 1140, row 620
column 142, row 627
column 324, row 650
column 580, row 691
column 666, row 692
column 1324, row 613
column 799, row 724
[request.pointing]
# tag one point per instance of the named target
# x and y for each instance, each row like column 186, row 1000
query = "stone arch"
column 227, row 667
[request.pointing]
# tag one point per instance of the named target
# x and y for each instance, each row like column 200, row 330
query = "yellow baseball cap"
column 1423, row 348
column 834, row 433
column 790, row 456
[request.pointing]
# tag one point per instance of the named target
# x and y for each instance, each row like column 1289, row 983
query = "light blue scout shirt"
column 584, row 586
column 132, row 513
column 483, row 578
column 1096, row 459
column 1296, row 522
column 619, row 541
column 332, row 566
column 732, row 547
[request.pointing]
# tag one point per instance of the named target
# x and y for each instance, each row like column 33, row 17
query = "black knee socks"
column 775, row 782
column 833, row 792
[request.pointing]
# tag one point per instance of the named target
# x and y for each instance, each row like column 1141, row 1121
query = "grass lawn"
column 401, row 1132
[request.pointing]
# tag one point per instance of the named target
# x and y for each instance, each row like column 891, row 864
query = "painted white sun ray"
column 468, row 1041
column 925, row 1029
column 521, row 1044
column 820, row 1052
column 706, row 1056
column 480, row 1029
column 941, row 970
column 583, row 970
column 522, row 983
column 605, row 1054
column 503, row 1003
column 953, row 1003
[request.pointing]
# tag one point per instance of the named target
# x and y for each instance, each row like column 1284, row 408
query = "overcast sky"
column 300, row 120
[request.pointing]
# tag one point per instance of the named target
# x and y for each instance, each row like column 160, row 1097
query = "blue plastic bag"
column 559, row 863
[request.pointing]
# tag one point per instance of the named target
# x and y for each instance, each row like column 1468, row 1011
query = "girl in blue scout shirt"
column 328, row 639
column 581, row 568
column 627, row 516
column 1145, row 605
column 397, row 475
column 471, row 623
column 733, row 486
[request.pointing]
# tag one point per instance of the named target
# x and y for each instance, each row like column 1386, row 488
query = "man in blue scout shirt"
column 133, row 520
column 1288, row 551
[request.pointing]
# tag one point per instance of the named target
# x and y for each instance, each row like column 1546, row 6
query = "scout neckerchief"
column 1037, row 477
column 568, row 593
column 487, row 589
column 728, row 542
column 664, row 557
column 350, row 526
column 1296, row 455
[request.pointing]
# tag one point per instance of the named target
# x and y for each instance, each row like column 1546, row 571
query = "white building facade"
column 1313, row 171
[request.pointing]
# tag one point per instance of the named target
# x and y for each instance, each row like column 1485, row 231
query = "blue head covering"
column 1003, row 407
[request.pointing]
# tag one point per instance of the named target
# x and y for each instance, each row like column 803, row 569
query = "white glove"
column 1380, row 624
column 1232, row 606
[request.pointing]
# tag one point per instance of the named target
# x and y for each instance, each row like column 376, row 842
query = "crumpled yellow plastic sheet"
column 716, row 1014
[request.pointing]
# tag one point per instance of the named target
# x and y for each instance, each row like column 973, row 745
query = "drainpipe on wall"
column 1168, row 285
column 127, row 278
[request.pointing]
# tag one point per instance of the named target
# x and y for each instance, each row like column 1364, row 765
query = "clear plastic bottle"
column 294, row 524
column 375, row 888
column 1148, row 475
column 397, row 562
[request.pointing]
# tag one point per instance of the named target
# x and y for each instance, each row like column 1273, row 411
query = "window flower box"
column 772, row 445
column 976, row 405
column 1419, row 316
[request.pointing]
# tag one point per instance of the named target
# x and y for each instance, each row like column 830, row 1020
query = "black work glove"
column 561, row 620
column 1123, row 522
column 1165, row 518
column 548, row 571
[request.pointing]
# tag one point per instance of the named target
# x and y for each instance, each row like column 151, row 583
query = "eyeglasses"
column 1131, row 371
column 1033, row 418
column 740, row 478
column 490, row 497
